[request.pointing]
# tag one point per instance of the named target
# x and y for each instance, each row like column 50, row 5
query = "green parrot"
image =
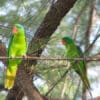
column 17, row 47
column 79, row 67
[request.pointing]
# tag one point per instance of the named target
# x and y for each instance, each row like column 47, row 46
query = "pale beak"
column 63, row 42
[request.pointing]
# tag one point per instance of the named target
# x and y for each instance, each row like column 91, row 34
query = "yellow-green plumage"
column 17, row 47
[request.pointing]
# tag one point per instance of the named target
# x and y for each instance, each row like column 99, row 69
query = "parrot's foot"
column 12, row 57
column 24, row 56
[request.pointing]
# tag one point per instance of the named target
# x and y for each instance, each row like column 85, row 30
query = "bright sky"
column 94, row 73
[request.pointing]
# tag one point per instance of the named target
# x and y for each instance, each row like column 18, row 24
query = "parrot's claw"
column 25, row 56
column 12, row 57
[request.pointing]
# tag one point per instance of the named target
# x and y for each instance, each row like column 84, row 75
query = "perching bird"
column 79, row 67
column 17, row 47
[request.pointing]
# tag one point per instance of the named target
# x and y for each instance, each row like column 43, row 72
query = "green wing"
column 81, row 55
column 9, row 46
column 81, row 69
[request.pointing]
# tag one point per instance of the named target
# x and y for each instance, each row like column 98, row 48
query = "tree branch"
column 3, row 52
column 78, row 19
column 87, row 44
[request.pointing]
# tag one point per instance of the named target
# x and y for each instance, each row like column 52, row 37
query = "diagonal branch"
column 59, row 80
column 78, row 19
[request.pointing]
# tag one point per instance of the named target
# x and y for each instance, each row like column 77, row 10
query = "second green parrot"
column 17, row 47
column 79, row 67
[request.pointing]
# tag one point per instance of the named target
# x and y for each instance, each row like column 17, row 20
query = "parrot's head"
column 67, row 41
column 18, row 29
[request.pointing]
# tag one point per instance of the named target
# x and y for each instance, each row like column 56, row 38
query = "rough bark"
column 26, row 85
column 50, row 23
column 3, row 52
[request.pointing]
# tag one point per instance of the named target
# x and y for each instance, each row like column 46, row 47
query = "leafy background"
column 30, row 14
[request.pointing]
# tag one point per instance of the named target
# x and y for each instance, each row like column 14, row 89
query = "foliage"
column 30, row 13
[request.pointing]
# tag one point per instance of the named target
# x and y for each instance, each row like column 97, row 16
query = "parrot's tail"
column 10, row 78
column 87, row 84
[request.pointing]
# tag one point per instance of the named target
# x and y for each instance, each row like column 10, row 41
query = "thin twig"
column 52, row 59
column 59, row 80
column 77, row 90
column 5, row 27
column 91, row 45
column 78, row 19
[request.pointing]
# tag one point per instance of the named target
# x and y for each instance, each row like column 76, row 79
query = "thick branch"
column 49, row 25
column 3, row 52
column 24, row 83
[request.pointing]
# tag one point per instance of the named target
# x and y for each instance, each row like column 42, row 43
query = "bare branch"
column 89, row 27
column 52, row 59
column 58, row 81
column 78, row 19
column 91, row 45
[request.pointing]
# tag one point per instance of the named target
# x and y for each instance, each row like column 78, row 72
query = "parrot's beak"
column 15, row 30
column 63, row 42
